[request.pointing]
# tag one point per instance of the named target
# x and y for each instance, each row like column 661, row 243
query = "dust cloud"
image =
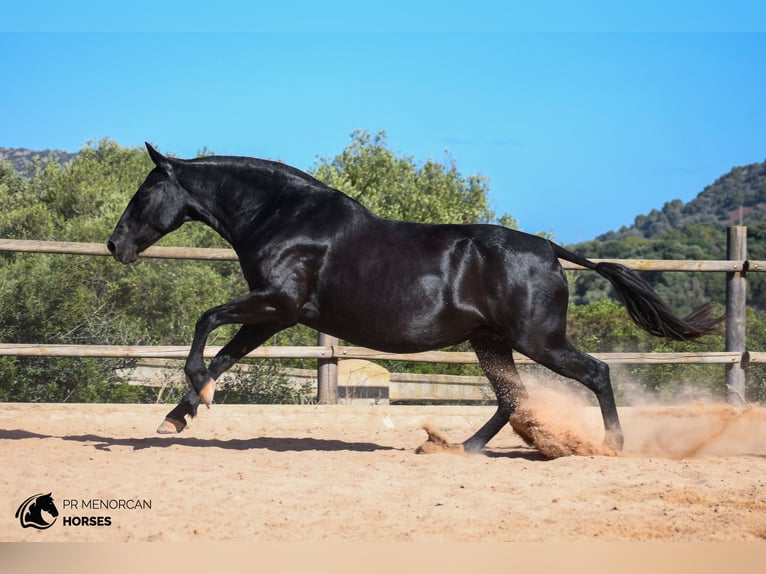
column 559, row 421
column 697, row 430
column 693, row 426
column 437, row 443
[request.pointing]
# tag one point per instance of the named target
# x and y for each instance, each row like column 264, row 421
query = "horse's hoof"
column 614, row 441
column 207, row 392
column 171, row 426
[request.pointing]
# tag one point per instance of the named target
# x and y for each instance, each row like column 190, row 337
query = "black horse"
column 312, row 255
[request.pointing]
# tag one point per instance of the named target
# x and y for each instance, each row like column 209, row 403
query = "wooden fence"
column 327, row 352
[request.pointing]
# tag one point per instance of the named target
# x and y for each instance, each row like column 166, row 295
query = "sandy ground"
column 350, row 473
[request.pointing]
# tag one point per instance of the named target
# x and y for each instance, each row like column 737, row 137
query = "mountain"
column 693, row 231
column 736, row 198
column 22, row 159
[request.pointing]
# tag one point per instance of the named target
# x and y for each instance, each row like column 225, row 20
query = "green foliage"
column 36, row 379
column 263, row 383
column 604, row 326
column 736, row 198
column 399, row 188
column 695, row 230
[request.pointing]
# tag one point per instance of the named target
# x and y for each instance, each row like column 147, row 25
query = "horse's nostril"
column 110, row 246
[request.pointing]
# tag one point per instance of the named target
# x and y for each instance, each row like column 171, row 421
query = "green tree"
column 398, row 187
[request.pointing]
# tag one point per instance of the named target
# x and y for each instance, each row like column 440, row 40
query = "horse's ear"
column 159, row 160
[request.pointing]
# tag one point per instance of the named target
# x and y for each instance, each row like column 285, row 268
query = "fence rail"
column 99, row 249
column 348, row 352
column 328, row 352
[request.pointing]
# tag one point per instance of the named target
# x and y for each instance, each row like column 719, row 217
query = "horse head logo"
column 30, row 513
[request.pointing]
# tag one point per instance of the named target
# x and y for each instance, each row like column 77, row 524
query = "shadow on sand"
column 281, row 444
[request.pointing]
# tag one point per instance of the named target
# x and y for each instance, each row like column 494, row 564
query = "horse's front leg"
column 175, row 420
column 197, row 375
column 270, row 310
column 264, row 312
column 247, row 338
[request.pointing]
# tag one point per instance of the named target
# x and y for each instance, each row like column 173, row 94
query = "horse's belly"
column 424, row 298
column 396, row 328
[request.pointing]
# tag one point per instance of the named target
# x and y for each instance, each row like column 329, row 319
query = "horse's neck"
column 209, row 207
column 222, row 209
column 212, row 218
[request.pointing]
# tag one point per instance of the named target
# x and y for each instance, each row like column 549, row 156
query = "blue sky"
column 581, row 118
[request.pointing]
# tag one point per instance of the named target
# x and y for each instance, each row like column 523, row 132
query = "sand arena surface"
column 350, row 473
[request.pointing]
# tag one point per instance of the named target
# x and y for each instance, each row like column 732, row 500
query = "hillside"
column 22, row 159
column 693, row 230
column 736, row 198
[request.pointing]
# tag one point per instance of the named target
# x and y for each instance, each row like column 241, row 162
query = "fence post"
column 327, row 373
column 736, row 292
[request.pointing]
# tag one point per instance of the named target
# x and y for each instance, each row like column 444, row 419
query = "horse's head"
column 158, row 207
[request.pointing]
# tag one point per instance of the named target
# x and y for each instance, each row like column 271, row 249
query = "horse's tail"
column 644, row 306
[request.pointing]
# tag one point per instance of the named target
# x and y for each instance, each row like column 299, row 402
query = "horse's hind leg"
column 570, row 362
column 496, row 360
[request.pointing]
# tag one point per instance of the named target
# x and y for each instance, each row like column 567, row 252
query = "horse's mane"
column 256, row 165
column 255, row 169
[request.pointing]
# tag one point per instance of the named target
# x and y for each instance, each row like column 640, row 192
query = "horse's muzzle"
column 123, row 255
